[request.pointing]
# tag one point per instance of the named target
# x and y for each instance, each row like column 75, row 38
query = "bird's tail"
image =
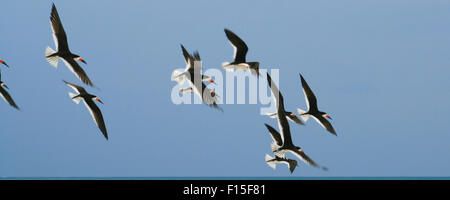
column 272, row 115
column 273, row 147
column 51, row 58
column 186, row 90
column 177, row 76
column 301, row 114
column 74, row 98
column 271, row 164
column 227, row 67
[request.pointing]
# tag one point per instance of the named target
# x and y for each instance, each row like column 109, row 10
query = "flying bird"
column 313, row 110
column 3, row 62
column 63, row 51
column 273, row 161
column 282, row 143
column 5, row 95
column 90, row 105
column 191, row 73
column 240, row 52
column 180, row 77
column 279, row 148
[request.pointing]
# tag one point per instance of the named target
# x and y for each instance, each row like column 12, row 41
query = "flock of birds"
column 63, row 53
column 282, row 142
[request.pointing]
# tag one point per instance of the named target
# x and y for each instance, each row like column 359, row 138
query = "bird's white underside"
column 318, row 121
column 70, row 67
column 299, row 156
column 306, row 98
column 91, row 112
column 1, row 94
column 242, row 66
column 55, row 39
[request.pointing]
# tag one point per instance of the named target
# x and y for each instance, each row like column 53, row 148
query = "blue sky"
column 379, row 68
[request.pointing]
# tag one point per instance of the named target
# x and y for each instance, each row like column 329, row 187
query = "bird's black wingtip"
column 229, row 33
column 88, row 82
column 106, row 135
column 96, row 87
column 67, row 82
column 197, row 55
column 269, row 79
column 216, row 107
column 185, row 52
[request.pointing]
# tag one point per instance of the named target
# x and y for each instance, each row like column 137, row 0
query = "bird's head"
column 211, row 81
column 327, row 116
column 213, row 93
column 97, row 99
column 3, row 84
column 299, row 149
column 80, row 59
column 3, row 62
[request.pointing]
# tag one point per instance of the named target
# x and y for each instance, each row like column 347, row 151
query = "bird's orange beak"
column 81, row 60
column 3, row 62
column 97, row 99
column 293, row 115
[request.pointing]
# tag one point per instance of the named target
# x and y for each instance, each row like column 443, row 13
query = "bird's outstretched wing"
column 59, row 35
column 240, row 48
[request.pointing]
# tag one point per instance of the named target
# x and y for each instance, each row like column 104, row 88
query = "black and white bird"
column 313, row 110
column 88, row 100
column 240, row 52
column 282, row 143
column 191, row 73
column 62, row 50
column 3, row 62
column 5, row 95
column 180, row 77
column 273, row 161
